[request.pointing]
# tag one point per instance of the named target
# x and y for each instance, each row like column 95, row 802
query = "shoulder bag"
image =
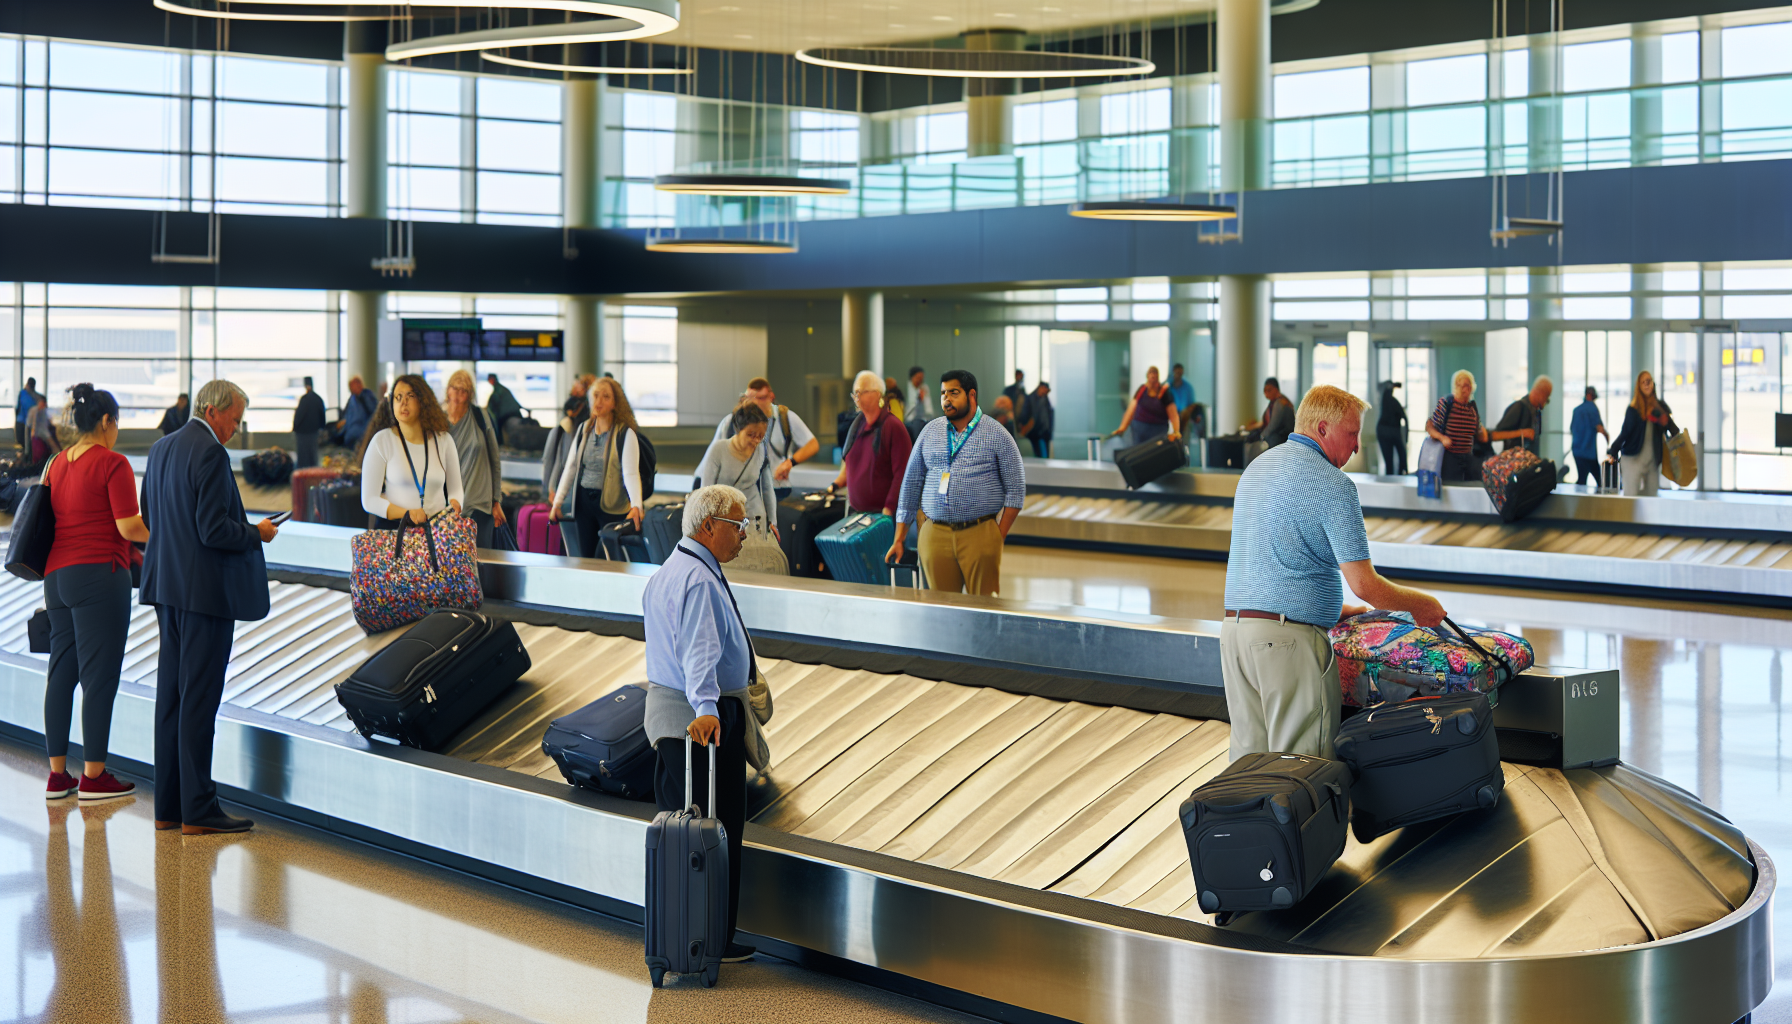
column 33, row 533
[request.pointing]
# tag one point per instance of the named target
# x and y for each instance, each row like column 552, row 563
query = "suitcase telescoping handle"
column 712, row 775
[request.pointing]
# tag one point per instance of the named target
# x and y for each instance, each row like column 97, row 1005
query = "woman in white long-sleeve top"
column 601, row 482
column 743, row 462
column 409, row 465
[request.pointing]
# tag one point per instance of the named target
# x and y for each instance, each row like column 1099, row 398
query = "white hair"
column 877, row 383
column 1460, row 375
column 705, row 502
column 221, row 395
column 1541, row 380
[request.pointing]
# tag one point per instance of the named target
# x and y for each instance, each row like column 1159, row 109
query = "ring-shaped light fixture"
column 203, row 12
column 750, row 185
column 974, row 63
column 583, row 69
column 636, row 19
column 1138, row 210
column 719, row 245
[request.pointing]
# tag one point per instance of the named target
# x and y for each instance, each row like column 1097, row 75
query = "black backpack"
column 649, row 464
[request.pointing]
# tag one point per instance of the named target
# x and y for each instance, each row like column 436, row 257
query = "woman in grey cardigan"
column 481, row 473
column 742, row 462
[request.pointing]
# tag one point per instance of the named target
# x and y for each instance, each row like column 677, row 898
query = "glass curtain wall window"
column 103, row 125
column 1131, row 159
column 648, row 368
column 648, row 141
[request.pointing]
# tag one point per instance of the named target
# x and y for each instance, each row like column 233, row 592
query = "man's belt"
column 1252, row 613
column 979, row 521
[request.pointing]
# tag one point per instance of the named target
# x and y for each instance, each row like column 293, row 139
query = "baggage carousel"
column 987, row 817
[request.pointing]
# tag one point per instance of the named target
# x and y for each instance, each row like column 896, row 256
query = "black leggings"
column 589, row 516
column 90, row 614
column 1393, row 451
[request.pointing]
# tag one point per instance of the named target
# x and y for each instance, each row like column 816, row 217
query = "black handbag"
column 33, row 532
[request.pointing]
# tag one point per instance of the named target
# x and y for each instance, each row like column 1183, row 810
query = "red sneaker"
column 104, row 787
column 61, row 785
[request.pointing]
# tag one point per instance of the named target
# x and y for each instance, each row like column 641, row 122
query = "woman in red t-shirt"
column 87, row 591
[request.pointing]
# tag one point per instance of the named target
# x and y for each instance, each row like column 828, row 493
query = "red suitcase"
column 535, row 533
column 303, row 480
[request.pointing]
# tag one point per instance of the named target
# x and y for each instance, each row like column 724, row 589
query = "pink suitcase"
column 535, row 533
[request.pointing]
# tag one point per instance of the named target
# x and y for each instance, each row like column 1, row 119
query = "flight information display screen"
column 468, row 341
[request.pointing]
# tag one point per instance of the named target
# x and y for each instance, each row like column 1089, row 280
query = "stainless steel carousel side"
column 1009, row 843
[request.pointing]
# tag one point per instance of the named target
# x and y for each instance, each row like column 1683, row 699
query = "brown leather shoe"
column 163, row 826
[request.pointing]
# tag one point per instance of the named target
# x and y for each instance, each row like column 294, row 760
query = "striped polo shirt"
column 986, row 474
column 1295, row 519
column 1461, row 421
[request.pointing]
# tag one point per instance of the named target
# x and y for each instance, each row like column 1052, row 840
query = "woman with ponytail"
column 87, row 591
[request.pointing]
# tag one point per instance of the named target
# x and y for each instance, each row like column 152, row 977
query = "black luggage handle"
column 1492, row 656
column 429, row 538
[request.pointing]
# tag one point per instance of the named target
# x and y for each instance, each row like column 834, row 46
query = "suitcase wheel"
column 711, row 975
column 1466, row 724
column 1224, row 918
column 659, row 976
column 1487, row 797
column 1281, row 899
column 1210, row 901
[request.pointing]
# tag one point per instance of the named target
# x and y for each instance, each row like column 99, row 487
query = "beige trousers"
column 969, row 560
column 1281, row 687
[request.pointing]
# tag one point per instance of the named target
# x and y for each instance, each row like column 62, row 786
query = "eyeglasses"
column 860, row 394
column 739, row 524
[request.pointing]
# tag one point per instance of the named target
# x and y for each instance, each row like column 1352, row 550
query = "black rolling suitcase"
column 1610, row 478
column 428, row 684
column 800, row 518
column 1153, row 460
column 337, row 503
column 621, row 542
column 1419, row 760
column 1264, row 831
column 687, row 887
column 603, row 745
column 663, row 526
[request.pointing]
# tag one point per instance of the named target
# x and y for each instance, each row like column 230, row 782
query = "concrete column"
column 1543, row 356
column 1242, row 347
column 361, row 354
column 1243, row 54
column 581, row 206
column 990, row 101
column 365, row 169
column 1645, row 106
column 1241, row 352
column 861, row 332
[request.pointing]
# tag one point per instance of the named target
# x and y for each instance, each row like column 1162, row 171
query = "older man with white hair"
column 699, row 665
column 1296, row 523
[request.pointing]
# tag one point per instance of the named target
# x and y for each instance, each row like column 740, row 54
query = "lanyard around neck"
column 752, row 655
column 423, row 483
column 955, row 442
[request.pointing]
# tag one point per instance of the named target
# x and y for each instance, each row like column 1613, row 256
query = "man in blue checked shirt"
column 965, row 476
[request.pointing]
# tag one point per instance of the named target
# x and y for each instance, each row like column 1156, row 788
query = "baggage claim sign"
column 467, row 340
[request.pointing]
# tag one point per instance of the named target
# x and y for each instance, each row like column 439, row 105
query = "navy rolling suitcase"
column 424, row 687
column 1264, row 831
column 1419, row 760
column 854, row 549
column 621, row 542
column 603, row 745
column 800, row 518
column 663, row 527
column 687, row 887
column 1155, row 459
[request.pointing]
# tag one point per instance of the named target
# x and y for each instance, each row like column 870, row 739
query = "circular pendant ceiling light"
column 720, row 245
column 751, row 185
column 974, row 63
column 267, row 10
column 634, row 19
column 1148, row 210
column 583, row 69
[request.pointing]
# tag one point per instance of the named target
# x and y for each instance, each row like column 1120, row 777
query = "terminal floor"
column 290, row 924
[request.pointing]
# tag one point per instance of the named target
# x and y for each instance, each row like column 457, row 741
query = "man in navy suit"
column 202, row 571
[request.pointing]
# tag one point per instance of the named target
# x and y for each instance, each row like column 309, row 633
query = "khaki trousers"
column 969, row 560
column 1281, row 687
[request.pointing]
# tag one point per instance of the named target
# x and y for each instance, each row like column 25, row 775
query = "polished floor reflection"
column 103, row 920
column 1704, row 703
